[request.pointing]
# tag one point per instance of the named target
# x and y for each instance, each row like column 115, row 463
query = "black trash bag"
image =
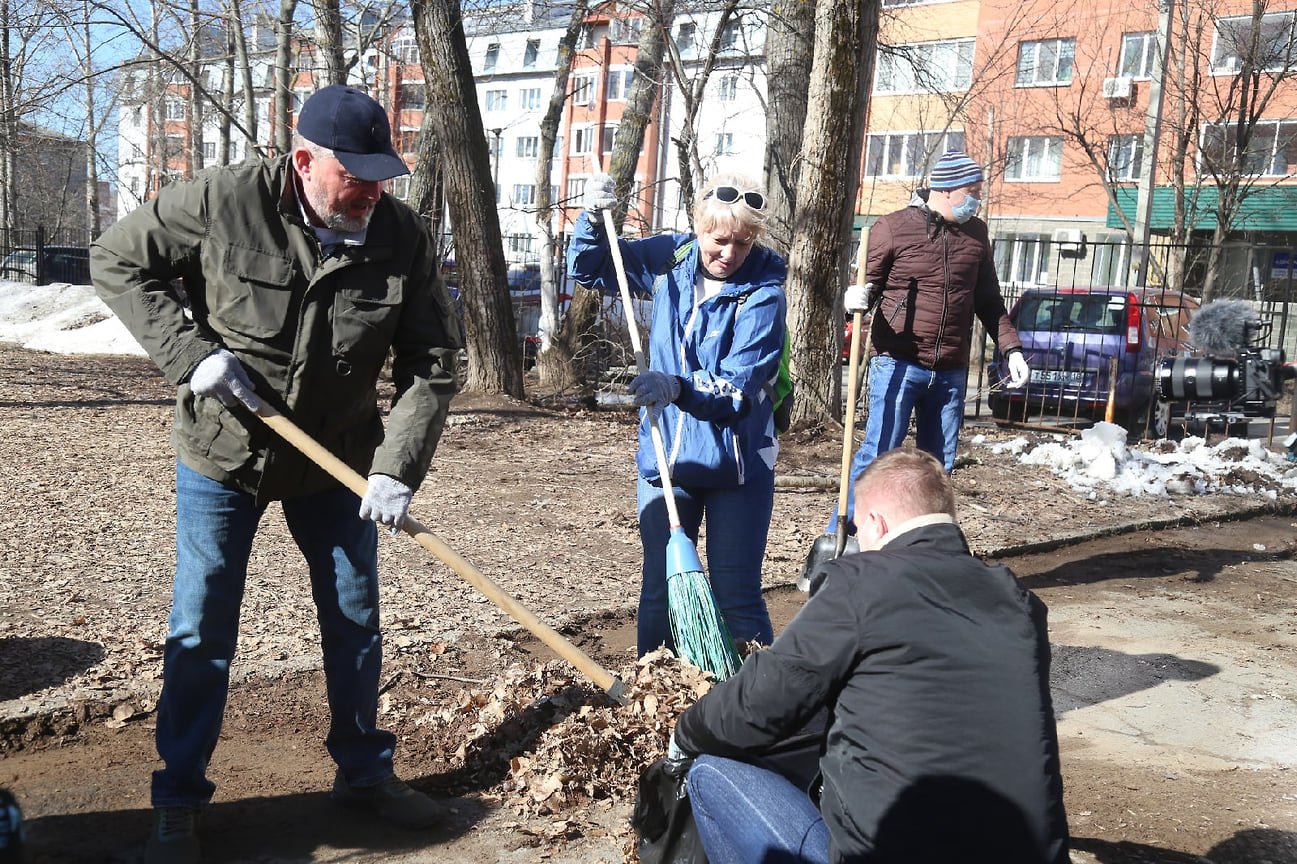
column 663, row 818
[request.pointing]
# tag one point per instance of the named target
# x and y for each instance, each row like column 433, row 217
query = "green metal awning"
column 1271, row 208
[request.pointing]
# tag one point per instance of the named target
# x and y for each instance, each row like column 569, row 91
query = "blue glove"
column 600, row 194
column 654, row 389
column 386, row 501
column 220, row 375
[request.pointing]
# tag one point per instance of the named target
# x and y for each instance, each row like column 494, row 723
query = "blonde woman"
column 715, row 344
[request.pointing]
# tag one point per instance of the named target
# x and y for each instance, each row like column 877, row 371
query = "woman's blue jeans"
column 748, row 814
column 214, row 530
column 738, row 523
column 897, row 391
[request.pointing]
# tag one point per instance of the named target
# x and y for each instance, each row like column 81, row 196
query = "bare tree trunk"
column 8, row 128
column 242, row 67
column 846, row 33
column 494, row 355
column 328, row 39
column 283, row 74
column 92, row 123
column 195, row 92
column 552, row 365
column 789, row 51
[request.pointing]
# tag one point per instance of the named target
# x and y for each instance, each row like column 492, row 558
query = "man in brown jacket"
column 930, row 265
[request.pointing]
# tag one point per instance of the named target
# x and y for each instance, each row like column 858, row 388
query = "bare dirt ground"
column 1172, row 619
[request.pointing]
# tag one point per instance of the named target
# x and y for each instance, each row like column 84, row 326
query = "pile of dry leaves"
column 545, row 743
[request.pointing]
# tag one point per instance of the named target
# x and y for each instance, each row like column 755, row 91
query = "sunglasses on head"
column 730, row 194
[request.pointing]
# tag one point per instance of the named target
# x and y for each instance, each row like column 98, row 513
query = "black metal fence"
column 40, row 256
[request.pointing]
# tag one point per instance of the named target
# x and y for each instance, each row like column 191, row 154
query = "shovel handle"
column 347, row 476
column 849, row 422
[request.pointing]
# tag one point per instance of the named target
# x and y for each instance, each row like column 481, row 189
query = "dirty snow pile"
column 1101, row 464
column 61, row 319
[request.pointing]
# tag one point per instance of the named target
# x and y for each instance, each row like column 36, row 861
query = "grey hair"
column 300, row 142
column 710, row 214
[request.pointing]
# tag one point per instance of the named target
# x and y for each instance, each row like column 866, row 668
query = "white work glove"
column 600, row 194
column 674, row 753
column 654, row 389
column 220, row 375
column 1019, row 371
column 859, row 298
column 386, row 502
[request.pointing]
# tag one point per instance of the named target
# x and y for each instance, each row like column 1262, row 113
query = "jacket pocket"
column 254, row 294
column 702, row 453
column 365, row 317
column 212, row 433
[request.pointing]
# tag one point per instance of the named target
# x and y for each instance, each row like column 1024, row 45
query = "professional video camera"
column 1235, row 376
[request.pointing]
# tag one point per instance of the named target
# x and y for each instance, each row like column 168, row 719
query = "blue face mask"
column 966, row 209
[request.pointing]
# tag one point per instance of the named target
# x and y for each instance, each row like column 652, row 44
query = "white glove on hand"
column 220, row 375
column 859, row 298
column 1019, row 371
column 600, row 194
column 386, row 502
column 654, row 389
column 674, row 753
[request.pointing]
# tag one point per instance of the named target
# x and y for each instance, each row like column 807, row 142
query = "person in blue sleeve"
column 715, row 343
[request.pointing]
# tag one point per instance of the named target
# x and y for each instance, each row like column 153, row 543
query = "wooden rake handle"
column 849, row 421
column 344, row 474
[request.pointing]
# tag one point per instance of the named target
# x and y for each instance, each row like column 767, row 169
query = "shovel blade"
column 823, row 550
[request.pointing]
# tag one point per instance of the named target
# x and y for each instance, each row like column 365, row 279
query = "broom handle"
column 659, row 449
column 849, row 422
column 344, row 474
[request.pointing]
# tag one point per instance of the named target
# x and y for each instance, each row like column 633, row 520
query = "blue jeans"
column 738, row 522
column 214, row 530
column 747, row 814
column 897, row 390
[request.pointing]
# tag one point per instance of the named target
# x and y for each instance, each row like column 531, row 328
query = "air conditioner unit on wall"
column 1118, row 88
column 1069, row 239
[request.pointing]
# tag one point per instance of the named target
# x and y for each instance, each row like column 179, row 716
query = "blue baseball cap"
column 351, row 124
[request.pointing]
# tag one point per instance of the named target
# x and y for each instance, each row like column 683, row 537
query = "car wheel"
column 1159, row 419
column 999, row 408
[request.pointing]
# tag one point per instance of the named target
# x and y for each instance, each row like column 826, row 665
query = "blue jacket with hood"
column 725, row 351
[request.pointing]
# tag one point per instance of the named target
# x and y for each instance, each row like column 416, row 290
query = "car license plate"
column 1056, row 376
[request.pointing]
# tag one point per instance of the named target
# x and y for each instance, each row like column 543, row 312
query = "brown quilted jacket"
column 935, row 276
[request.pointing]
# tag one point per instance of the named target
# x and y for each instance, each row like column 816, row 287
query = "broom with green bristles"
column 697, row 627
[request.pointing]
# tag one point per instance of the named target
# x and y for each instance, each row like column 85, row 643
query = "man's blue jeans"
column 738, row 523
column 214, row 530
column 897, row 390
column 747, row 814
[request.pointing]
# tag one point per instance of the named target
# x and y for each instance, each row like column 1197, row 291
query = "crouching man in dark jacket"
column 934, row 669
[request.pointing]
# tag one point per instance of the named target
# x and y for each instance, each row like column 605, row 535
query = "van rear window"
column 1089, row 313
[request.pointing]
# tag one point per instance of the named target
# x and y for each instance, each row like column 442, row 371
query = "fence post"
column 40, row 254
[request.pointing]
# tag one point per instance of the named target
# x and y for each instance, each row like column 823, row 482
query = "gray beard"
column 333, row 219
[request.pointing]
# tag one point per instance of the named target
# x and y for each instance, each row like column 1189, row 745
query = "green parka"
column 313, row 332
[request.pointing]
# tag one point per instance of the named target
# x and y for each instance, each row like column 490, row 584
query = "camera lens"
column 1197, row 378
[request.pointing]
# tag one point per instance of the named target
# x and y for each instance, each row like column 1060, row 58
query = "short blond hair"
column 737, row 216
column 905, row 483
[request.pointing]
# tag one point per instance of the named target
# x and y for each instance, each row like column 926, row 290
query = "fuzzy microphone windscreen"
column 1220, row 326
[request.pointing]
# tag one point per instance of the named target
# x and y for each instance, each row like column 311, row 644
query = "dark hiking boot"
column 174, row 839
column 392, row 799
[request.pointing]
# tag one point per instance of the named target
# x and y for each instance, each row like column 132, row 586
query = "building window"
column 524, row 194
column 575, row 190
column 401, row 187
column 209, row 152
column 1022, row 260
column 925, row 67
column 608, row 137
column 619, row 84
column 907, row 155
column 405, row 49
column 1047, row 63
column 174, row 147
column 1271, row 150
column 1125, row 155
column 520, row 243
column 1274, row 40
column 583, row 139
column 728, row 88
column 529, row 98
column 582, row 89
column 412, row 96
column 492, row 57
column 686, row 33
column 528, row 146
column 625, row 31
column 1137, row 55
column 497, row 100
column 724, row 143
column 1038, row 157
column 730, row 37
column 407, row 140
column 175, row 109
column 530, row 54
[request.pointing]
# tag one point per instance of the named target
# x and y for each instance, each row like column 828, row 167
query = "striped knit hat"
column 953, row 170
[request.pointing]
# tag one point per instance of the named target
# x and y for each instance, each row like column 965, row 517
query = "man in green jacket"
column 301, row 277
